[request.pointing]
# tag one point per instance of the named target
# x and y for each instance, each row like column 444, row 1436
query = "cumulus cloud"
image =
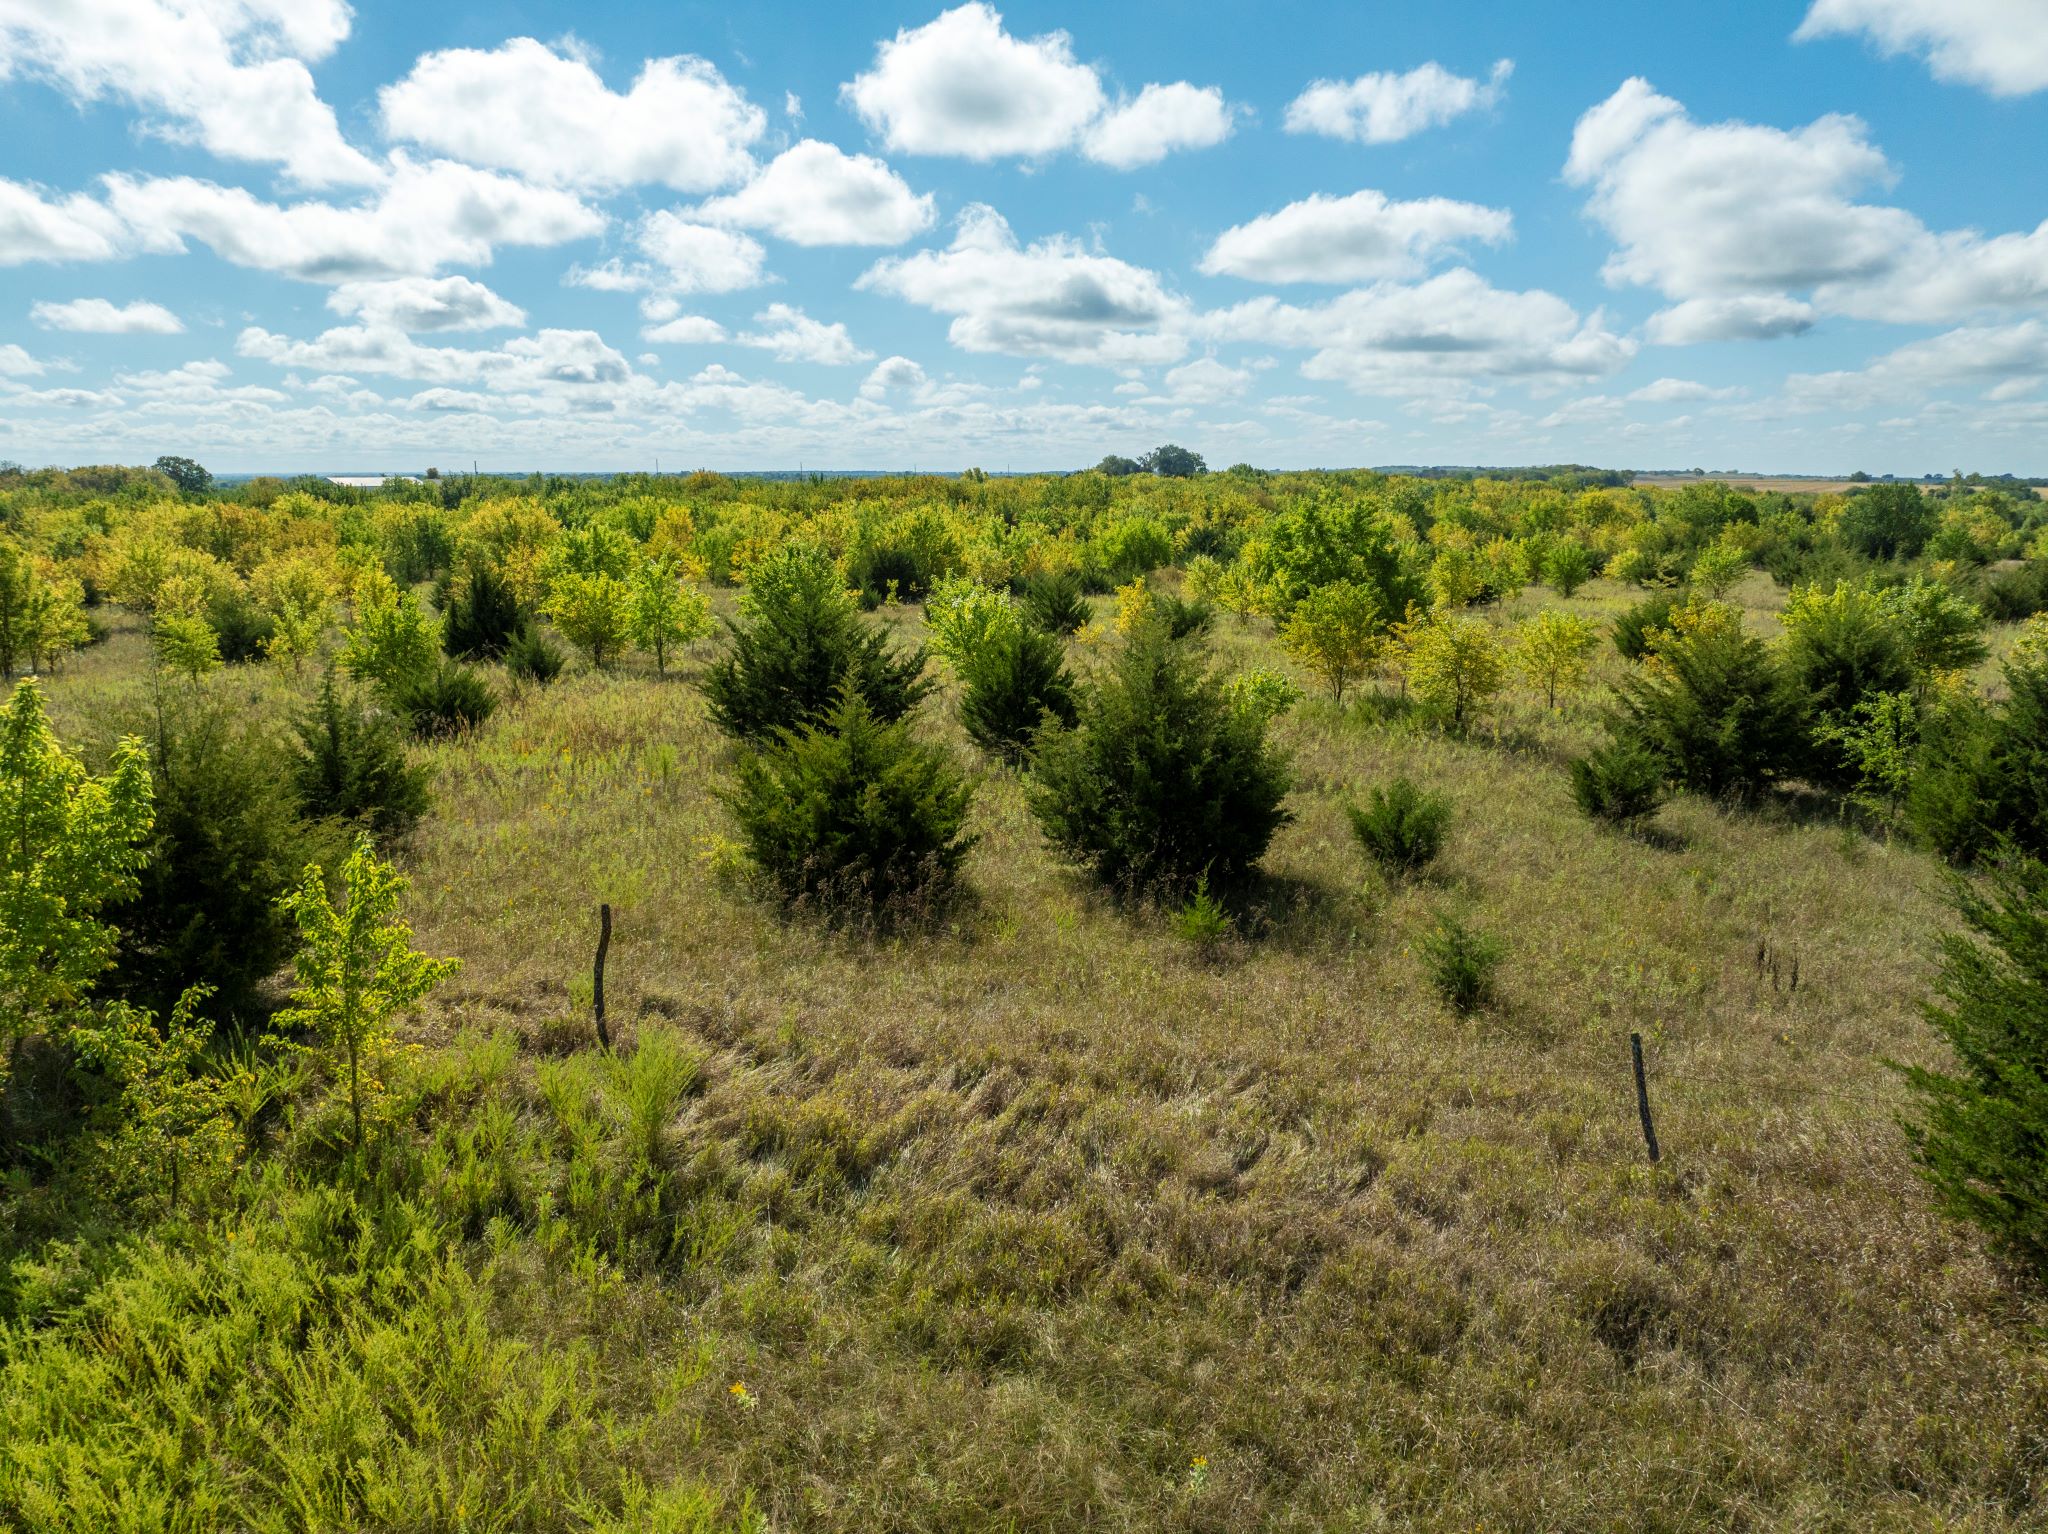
column 1669, row 391
column 228, row 75
column 548, row 360
column 1205, row 381
column 685, row 330
column 793, row 336
column 698, row 258
column 425, row 217
column 1052, row 298
column 549, row 117
column 1735, row 221
column 2000, row 45
column 36, row 227
column 961, row 85
column 98, row 316
column 1448, row 332
column 1386, row 108
column 893, row 375
column 1746, row 317
column 1359, row 238
column 16, row 363
column 815, row 194
column 1161, row 119
column 425, row 303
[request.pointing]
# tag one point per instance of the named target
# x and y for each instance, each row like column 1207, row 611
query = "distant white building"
column 367, row 481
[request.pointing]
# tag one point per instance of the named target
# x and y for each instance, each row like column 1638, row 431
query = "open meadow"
column 1047, row 1206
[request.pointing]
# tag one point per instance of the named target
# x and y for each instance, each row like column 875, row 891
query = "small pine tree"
column 357, row 972
column 1164, row 776
column 1055, row 603
column 1980, row 1131
column 483, row 613
column 1719, row 710
column 1401, row 827
column 1637, row 629
column 448, row 700
column 1621, row 782
column 1461, row 961
column 533, row 657
column 352, row 765
column 1015, row 682
column 852, row 811
column 800, row 644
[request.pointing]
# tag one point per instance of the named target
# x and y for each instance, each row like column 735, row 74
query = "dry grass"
column 1006, row 1222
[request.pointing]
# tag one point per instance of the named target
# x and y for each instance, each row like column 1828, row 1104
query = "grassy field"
column 1042, row 1219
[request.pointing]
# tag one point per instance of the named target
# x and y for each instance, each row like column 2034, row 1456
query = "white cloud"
column 794, row 336
column 815, row 194
column 1358, row 238
column 1668, row 391
column 528, row 109
column 1448, row 333
column 1162, row 119
column 1747, row 317
column 36, row 228
column 1735, row 221
column 425, row 217
column 893, row 375
column 1385, row 108
column 961, row 85
column 16, row 363
column 2001, row 45
column 425, row 303
column 1205, row 381
column 228, row 75
column 548, row 362
column 97, row 316
column 1049, row 299
column 697, row 258
column 685, row 330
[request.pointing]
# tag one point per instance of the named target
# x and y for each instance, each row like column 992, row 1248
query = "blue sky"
column 295, row 234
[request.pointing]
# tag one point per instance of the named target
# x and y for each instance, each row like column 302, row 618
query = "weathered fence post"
column 1635, row 1047
column 604, row 941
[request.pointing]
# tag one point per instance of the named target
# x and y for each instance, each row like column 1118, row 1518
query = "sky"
column 1800, row 237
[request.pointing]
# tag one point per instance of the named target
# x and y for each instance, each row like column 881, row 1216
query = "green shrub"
column 352, row 765
column 1055, row 604
column 1568, row 566
column 2017, row 594
column 448, row 700
column 1184, row 619
column 1202, row 922
column 1461, row 961
column 1720, row 711
column 851, row 811
column 533, row 657
column 483, row 614
column 1163, row 778
column 1887, row 521
column 1636, row 627
column 1980, row 1132
column 1401, row 827
column 1620, row 782
column 228, row 842
column 1015, row 681
column 801, row 643
column 1983, row 771
column 241, row 628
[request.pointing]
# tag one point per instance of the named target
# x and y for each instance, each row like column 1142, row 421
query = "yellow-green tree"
column 358, row 972
column 663, row 612
column 69, row 844
column 1336, row 632
column 1553, row 650
column 1454, row 665
column 594, row 613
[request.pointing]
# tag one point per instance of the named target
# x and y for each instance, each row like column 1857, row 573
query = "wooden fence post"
column 1635, row 1046
column 604, row 941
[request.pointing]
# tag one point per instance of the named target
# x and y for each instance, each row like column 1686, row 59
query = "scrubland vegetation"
column 1119, row 994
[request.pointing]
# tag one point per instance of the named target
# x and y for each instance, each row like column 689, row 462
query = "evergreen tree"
column 1015, row 681
column 352, row 765
column 1981, row 1136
